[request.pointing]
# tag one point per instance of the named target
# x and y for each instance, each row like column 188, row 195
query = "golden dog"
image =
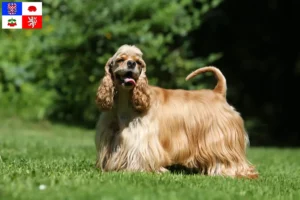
column 147, row 128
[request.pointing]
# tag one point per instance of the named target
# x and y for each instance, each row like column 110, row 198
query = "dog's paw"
column 162, row 170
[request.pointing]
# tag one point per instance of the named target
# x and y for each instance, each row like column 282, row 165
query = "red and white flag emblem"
column 32, row 22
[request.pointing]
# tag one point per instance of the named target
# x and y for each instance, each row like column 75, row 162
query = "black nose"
column 131, row 64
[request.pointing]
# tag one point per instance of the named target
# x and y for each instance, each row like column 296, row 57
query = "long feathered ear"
column 141, row 92
column 105, row 93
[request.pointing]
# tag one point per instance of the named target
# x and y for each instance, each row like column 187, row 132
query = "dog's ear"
column 108, row 67
column 106, row 89
column 143, row 65
column 141, row 92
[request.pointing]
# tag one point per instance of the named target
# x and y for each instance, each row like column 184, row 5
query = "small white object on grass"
column 42, row 187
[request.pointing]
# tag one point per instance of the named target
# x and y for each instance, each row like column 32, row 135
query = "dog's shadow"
column 179, row 169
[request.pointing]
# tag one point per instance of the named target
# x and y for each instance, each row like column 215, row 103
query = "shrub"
column 54, row 72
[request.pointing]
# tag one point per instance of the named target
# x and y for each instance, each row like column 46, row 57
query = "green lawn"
column 62, row 158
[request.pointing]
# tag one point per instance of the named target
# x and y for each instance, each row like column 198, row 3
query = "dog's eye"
column 120, row 60
column 139, row 62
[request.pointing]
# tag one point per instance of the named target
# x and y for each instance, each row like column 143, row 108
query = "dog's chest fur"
column 124, row 118
column 124, row 111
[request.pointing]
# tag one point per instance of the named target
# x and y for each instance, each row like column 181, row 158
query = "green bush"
column 54, row 72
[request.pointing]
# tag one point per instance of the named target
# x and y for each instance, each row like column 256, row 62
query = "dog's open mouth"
column 126, row 79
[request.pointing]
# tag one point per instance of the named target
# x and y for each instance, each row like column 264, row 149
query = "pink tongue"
column 129, row 80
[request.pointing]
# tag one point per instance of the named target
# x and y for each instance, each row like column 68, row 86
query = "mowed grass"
column 62, row 159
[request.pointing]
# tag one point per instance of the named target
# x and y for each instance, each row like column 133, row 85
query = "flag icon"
column 32, row 22
column 31, row 8
column 12, row 22
column 22, row 15
column 11, row 8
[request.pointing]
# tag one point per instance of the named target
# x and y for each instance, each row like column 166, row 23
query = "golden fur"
column 147, row 128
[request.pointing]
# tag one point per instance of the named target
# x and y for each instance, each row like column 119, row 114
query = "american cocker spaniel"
column 147, row 128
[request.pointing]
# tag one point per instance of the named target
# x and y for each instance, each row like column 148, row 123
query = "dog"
column 144, row 128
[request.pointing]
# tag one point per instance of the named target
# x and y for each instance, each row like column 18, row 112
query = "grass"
column 62, row 158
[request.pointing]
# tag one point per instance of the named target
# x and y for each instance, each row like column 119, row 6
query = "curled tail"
column 221, row 87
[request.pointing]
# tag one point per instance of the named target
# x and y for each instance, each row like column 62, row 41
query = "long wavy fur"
column 106, row 89
column 141, row 95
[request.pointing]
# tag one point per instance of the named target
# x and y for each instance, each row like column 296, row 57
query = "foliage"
column 62, row 159
column 54, row 72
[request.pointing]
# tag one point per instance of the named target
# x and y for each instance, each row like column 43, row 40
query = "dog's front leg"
column 106, row 132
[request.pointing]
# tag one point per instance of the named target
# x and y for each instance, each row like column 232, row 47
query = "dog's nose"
column 131, row 64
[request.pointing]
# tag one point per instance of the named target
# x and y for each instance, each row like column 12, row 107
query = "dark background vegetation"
column 261, row 60
column 53, row 73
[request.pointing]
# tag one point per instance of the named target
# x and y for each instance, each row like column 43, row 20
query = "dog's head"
column 126, row 66
column 125, row 70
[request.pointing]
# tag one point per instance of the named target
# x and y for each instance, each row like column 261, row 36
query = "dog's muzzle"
column 127, row 78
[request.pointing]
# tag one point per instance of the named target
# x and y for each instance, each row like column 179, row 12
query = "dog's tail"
column 221, row 87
